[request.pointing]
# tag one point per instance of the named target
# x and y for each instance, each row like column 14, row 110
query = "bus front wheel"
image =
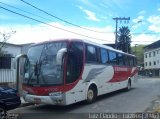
column 91, row 95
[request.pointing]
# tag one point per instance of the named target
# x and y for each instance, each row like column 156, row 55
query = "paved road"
column 139, row 99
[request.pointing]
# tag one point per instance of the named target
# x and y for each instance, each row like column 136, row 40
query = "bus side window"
column 121, row 59
column 135, row 61
column 126, row 60
column 91, row 54
column 104, row 56
column 113, row 58
column 131, row 60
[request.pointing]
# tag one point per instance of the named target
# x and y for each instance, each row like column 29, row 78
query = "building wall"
column 152, row 61
column 9, row 75
column 12, row 49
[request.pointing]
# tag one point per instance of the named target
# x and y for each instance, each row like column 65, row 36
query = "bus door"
column 74, row 66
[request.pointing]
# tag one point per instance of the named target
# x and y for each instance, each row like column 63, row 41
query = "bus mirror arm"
column 59, row 56
column 17, row 62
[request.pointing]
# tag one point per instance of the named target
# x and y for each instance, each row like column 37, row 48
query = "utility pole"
column 119, row 19
column 135, row 50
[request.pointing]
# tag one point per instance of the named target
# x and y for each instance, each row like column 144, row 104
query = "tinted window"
column 74, row 62
column 5, row 62
column 131, row 61
column 91, row 54
column 41, row 68
column 113, row 58
column 135, row 61
column 126, row 59
column 120, row 59
column 104, row 56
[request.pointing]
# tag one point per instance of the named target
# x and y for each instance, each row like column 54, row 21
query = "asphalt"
column 155, row 104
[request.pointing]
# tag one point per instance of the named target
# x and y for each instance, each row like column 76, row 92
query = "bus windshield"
column 41, row 67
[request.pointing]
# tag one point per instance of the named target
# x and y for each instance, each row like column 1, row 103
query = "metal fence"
column 7, row 75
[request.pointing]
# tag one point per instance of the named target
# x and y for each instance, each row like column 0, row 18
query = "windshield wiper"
column 37, row 70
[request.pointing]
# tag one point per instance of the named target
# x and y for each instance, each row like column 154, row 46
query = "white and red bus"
column 67, row 71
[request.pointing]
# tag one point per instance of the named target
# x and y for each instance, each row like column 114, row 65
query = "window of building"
column 5, row 62
column 154, row 53
column 157, row 61
column 146, row 55
column 91, row 54
column 150, row 54
column 104, row 56
column 146, row 63
column 149, row 63
column 154, row 62
column 157, row 52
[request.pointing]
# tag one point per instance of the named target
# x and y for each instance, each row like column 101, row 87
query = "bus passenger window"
column 131, row 61
column 120, row 59
column 135, row 61
column 126, row 59
column 104, row 56
column 91, row 54
column 113, row 58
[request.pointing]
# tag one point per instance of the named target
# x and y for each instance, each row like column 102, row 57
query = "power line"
column 142, row 41
column 24, row 11
column 61, row 18
column 50, row 24
column 62, row 28
column 144, row 33
column 51, row 20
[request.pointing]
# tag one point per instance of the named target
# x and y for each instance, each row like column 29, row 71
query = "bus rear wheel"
column 91, row 95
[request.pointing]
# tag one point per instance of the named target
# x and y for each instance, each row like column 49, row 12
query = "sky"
column 41, row 20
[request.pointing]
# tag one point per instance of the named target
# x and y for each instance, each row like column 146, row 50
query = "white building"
column 10, row 51
column 152, row 59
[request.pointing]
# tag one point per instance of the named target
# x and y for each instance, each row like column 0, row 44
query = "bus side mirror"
column 60, row 55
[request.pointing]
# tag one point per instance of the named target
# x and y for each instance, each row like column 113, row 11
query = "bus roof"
column 88, row 42
column 107, row 47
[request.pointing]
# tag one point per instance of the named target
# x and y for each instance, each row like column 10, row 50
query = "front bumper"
column 53, row 100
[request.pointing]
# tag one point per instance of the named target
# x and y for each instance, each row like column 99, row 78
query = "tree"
column 124, row 39
column 3, row 39
column 139, row 54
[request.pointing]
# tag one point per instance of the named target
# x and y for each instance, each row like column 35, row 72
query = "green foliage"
column 138, row 51
column 124, row 39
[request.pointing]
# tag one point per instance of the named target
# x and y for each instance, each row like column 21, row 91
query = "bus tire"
column 129, row 85
column 91, row 95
